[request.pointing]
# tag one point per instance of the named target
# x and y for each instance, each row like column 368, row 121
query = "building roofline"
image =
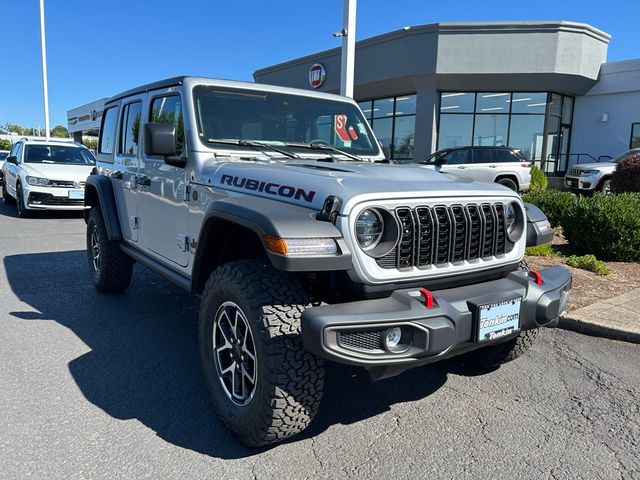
column 453, row 27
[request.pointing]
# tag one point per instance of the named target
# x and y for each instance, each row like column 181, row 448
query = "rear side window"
column 108, row 131
column 130, row 129
column 456, row 157
column 481, row 155
column 169, row 110
column 505, row 156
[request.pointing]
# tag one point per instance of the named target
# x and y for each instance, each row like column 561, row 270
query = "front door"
column 456, row 162
column 163, row 189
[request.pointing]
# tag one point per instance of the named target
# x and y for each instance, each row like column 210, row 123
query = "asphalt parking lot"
column 95, row 386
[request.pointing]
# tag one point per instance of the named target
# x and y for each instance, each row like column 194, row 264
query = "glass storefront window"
column 455, row 130
column 523, row 102
column 555, row 107
column 635, row 136
column 383, row 107
column 457, row 102
column 383, row 129
column 406, row 105
column 567, row 110
column 491, row 130
column 492, row 102
column 404, row 137
column 366, row 108
column 527, row 134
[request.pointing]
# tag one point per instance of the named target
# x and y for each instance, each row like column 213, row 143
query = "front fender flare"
column 99, row 191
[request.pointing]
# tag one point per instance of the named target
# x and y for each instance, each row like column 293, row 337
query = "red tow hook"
column 536, row 276
column 428, row 297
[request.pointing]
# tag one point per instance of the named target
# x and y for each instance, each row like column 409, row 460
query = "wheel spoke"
column 250, row 377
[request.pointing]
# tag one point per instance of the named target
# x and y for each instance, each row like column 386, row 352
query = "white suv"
column 594, row 177
column 503, row 165
column 46, row 175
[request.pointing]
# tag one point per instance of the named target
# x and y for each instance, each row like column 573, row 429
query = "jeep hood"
column 309, row 183
column 58, row 171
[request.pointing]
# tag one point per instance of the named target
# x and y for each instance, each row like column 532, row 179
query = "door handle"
column 116, row 175
column 493, row 166
column 461, row 168
column 144, row 181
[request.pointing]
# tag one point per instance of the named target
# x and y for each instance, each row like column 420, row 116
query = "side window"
column 108, row 131
column 18, row 153
column 457, row 157
column 481, row 155
column 169, row 110
column 130, row 129
column 504, row 156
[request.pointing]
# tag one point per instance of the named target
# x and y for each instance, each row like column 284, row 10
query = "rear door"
column 163, row 189
column 127, row 163
column 484, row 167
column 456, row 162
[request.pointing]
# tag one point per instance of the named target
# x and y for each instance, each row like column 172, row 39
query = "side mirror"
column 12, row 159
column 160, row 140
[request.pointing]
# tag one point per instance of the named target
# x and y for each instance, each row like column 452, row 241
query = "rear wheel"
column 493, row 356
column 265, row 386
column 509, row 183
column 109, row 267
column 6, row 198
column 22, row 209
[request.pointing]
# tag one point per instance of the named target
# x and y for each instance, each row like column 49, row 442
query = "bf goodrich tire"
column 496, row 355
column 250, row 329
column 6, row 198
column 507, row 182
column 109, row 267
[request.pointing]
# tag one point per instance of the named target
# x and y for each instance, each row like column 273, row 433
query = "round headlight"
column 511, row 218
column 369, row 228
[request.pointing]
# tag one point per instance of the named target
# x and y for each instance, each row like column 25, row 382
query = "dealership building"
column 545, row 88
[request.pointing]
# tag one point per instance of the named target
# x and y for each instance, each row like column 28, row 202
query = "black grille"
column 361, row 340
column 447, row 234
column 37, row 198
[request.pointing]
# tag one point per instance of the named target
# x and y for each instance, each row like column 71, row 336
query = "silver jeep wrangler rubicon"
column 272, row 204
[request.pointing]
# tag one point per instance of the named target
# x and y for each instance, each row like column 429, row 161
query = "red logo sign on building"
column 317, row 75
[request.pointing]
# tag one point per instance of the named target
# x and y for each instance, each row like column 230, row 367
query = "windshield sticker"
column 346, row 134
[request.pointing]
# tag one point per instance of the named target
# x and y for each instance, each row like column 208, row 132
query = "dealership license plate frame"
column 75, row 195
column 494, row 310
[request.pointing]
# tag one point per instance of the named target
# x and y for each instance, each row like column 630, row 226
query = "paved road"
column 93, row 386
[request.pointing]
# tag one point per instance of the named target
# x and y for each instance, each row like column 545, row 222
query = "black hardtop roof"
column 167, row 82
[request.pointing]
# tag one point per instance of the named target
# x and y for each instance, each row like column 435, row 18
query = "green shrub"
column 539, row 180
column 590, row 263
column 544, row 250
column 5, row 144
column 553, row 203
column 607, row 226
column 626, row 177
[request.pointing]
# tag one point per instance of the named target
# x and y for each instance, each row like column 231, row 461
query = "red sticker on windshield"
column 346, row 134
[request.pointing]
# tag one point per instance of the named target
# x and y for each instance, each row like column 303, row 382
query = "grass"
column 544, row 250
column 589, row 263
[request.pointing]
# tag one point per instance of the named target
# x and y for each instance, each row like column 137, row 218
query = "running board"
column 174, row 277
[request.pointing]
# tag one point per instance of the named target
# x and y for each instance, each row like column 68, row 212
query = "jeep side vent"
column 441, row 235
column 370, row 340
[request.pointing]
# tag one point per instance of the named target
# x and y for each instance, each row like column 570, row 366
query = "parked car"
column 46, row 175
column 268, row 204
column 594, row 177
column 504, row 165
column 3, row 155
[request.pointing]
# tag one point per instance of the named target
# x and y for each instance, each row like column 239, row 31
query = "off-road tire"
column 289, row 379
column 496, row 355
column 115, row 267
column 6, row 198
column 509, row 183
column 22, row 209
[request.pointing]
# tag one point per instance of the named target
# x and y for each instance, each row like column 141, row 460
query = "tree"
column 5, row 144
column 59, row 131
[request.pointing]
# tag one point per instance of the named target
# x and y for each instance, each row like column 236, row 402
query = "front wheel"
column 109, row 267
column 265, row 386
column 22, row 209
column 496, row 355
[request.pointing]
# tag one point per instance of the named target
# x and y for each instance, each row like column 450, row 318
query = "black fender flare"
column 98, row 190
column 538, row 229
column 267, row 217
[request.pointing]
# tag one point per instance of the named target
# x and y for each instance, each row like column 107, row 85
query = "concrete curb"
column 595, row 330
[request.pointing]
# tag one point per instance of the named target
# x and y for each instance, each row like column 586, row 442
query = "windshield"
column 279, row 119
column 68, row 155
column 624, row 155
column 434, row 157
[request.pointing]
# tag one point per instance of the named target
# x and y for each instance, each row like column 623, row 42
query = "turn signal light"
column 300, row 246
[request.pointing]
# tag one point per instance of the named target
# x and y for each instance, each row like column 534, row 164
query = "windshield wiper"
column 253, row 144
column 316, row 145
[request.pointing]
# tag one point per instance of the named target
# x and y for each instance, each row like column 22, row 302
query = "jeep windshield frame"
column 287, row 121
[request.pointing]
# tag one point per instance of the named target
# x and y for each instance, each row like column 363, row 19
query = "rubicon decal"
column 271, row 188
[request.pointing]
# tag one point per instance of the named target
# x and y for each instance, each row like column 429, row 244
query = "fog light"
column 392, row 338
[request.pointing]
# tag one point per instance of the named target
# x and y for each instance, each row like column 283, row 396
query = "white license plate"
column 76, row 195
column 496, row 320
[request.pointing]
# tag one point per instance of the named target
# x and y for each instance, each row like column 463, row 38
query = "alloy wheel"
column 234, row 354
column 95, row 249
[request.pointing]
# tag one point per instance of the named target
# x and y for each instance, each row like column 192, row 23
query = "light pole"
column 348, row 47
column 45, row 89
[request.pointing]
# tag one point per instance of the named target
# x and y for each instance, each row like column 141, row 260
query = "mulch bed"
column 588, row 287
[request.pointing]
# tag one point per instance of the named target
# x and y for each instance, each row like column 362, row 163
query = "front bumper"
column 583, row 182
column 352, row 333
column 52, row 198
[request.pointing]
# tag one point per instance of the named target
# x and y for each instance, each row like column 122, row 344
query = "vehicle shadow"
column 144, row 363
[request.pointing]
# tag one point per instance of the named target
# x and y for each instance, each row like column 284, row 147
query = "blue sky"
column 99, row 47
